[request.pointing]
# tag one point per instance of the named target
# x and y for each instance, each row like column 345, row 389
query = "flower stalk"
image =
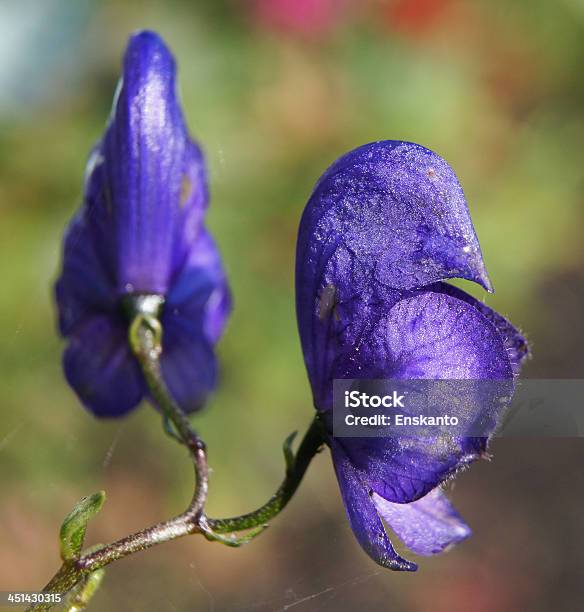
column 296, row 467
column 145, row 338
column 81, row 573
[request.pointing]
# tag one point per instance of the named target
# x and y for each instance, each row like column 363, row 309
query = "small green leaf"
column 232, row 540
column 288, row 453
column 73, row 528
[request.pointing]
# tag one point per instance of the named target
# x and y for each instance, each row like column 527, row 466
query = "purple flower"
column 140, row 231
column 385, row 226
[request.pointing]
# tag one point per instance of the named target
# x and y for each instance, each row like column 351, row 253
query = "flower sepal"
column 72, row 534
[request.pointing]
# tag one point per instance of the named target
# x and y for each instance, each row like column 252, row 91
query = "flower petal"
column 146, row 189
column 83, row 289
column 399, row 207
column 428, row 336
column 345, row 308
column 426, row 526
column 516, row 345
column 385, row 218
column 194, row 316
column 99, row 366
column 188, row 362
column 363, row 517
column 200, row 291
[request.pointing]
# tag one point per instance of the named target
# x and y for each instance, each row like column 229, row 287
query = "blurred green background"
column 275, row 90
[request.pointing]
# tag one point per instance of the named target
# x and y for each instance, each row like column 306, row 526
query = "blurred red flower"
column 417, row 17
column 307, row 18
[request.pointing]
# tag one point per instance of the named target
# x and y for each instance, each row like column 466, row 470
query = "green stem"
column 311, row 443
column 146, row 342
column 85, row 592
column 82, row 574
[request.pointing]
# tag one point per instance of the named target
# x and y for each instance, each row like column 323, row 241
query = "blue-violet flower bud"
column 140, row 232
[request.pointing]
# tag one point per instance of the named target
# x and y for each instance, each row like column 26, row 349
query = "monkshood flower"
column 385, row 226
column 140, row 232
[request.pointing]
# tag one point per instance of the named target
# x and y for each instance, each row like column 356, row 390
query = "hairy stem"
column 145, row 337
column 145, row 340
column 80, row 575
